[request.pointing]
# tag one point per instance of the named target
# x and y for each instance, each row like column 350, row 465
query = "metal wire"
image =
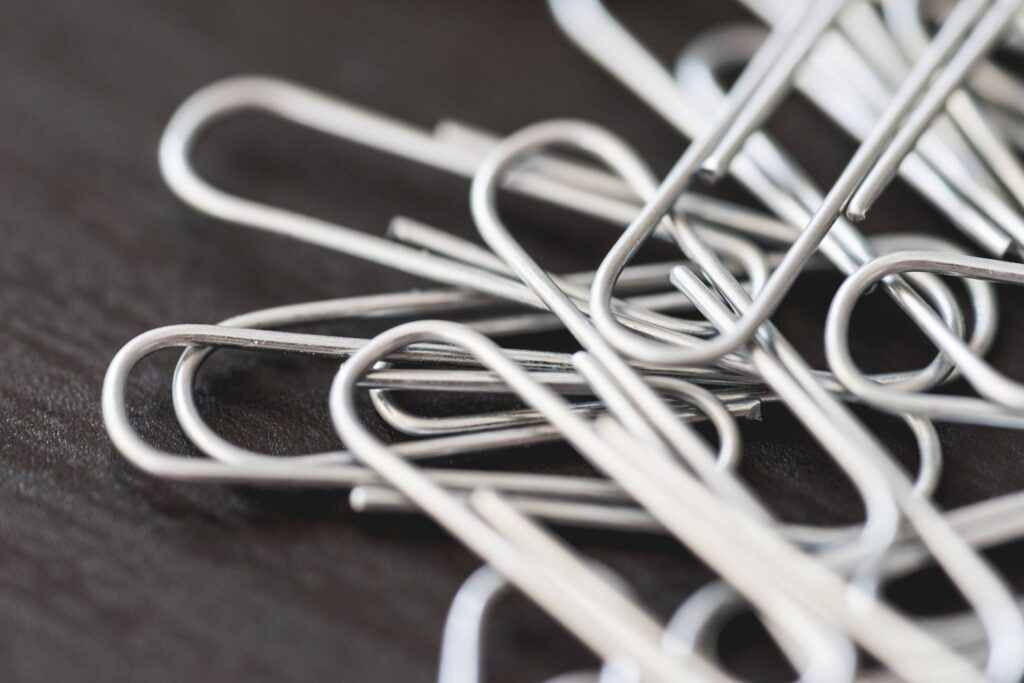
column 666, row 345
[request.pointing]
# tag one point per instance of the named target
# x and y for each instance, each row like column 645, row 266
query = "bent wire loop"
column 816, row 408
column 669, row 344
column 1005, row 398
column 784, row 580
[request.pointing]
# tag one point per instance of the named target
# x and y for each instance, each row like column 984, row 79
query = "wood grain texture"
column 110, row 575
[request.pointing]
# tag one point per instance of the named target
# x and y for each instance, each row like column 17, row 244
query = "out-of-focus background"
column 109, row 575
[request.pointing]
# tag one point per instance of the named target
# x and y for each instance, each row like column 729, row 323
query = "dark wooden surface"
column 110, row 575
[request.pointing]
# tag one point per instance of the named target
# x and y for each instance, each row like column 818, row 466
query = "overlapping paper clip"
column 667, row 344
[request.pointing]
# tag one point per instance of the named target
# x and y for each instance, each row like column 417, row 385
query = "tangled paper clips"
column 664, row 346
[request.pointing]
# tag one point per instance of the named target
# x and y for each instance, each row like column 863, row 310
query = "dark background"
column 107, row 574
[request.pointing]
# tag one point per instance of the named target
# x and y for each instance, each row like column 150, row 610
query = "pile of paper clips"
column 668, row 344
